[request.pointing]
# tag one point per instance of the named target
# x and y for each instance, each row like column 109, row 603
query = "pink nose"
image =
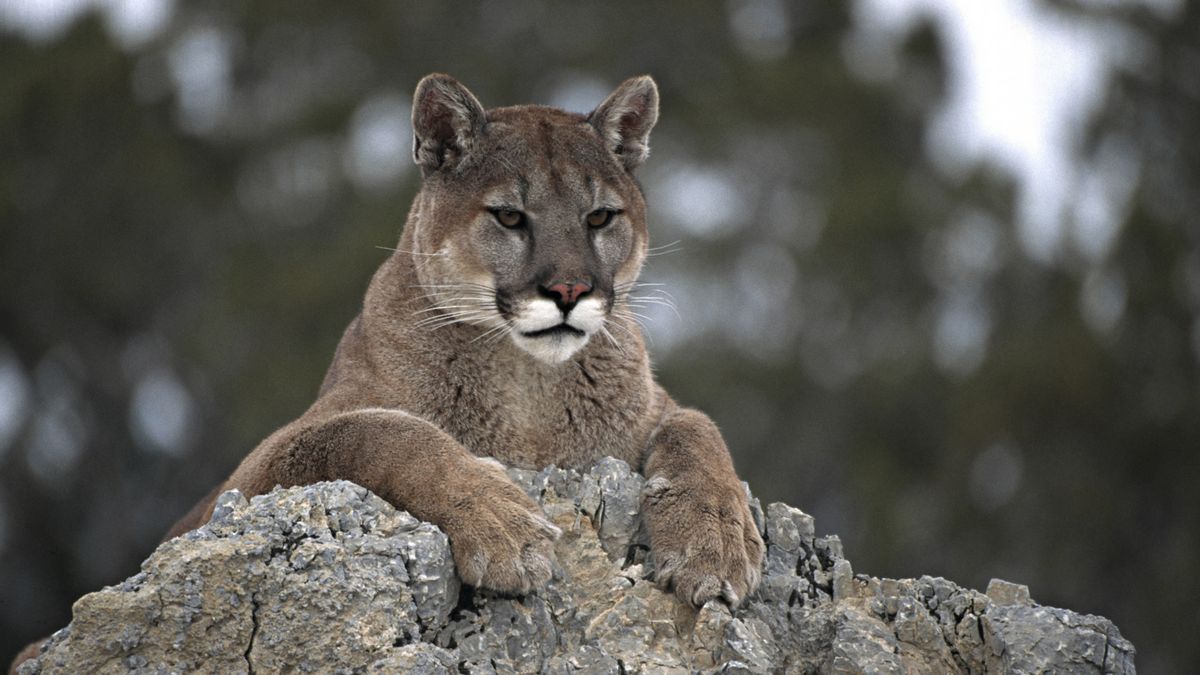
column 568, row 291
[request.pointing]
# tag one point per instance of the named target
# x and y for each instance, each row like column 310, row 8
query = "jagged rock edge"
column 864, row 595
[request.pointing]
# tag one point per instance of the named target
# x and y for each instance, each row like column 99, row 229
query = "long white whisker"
column 655, row 299
column 497, row 337
column 659, row 292
column 647, row 302
column 445, row 312
column 439, row 321
column 630, row 317
column 648, row 297
column 463, row 298
column 490, row 331
column 664, row 300
column 639, row 315
column 400, row 250
column 644, row 304
column 438, row 308
column 625, row 328
column 663, row 246
column 453, row 294
column 462, row 286
column 459, row 314
column 611, row 339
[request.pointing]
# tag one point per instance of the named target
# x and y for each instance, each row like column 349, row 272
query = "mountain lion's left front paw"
column 704, row 540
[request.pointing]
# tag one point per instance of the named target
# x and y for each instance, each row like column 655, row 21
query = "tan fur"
column 434, row 373
column 409, row 403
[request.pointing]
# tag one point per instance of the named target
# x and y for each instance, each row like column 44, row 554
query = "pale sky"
column 1023, row 81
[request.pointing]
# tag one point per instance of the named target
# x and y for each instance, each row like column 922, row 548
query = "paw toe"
column 668, row 565
column 474, row 568
column 538, row 568
column 729, row 595
column 705, row 588
column 655, row 487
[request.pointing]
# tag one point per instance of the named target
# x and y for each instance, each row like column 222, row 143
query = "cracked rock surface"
column 330, row 578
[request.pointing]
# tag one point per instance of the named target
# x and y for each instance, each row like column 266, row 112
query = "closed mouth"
column 560, row 329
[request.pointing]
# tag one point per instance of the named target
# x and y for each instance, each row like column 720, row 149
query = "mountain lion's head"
column 529, row 222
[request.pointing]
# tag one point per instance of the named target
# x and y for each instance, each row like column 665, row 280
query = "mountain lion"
column 501, row 327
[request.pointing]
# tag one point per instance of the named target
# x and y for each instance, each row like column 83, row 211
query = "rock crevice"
column 330, row 578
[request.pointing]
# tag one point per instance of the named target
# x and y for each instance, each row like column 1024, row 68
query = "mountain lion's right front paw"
column 499, row 537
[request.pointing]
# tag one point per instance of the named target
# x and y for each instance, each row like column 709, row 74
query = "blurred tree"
column 188, row 222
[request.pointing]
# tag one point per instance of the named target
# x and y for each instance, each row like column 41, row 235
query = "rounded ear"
column 626, row 117
column 446, row 118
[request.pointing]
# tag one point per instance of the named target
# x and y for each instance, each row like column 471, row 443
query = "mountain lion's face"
column 530, row 223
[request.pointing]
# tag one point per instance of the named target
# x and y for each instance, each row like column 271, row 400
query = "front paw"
column 704, row 541
column 498, row 535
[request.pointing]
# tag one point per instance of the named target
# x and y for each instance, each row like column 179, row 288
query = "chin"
column 551, row 348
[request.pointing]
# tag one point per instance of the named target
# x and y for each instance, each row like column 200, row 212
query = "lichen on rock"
column 330, row 578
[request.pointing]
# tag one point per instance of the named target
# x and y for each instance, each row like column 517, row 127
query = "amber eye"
column 510, row 218
column 600, row 217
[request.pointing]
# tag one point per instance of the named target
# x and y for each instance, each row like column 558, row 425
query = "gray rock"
column 864, row 644
column 417, row 658
column 789, row 533
column 1034, row 639
column 1007, row 593
column 330, row 578
column 841, row 579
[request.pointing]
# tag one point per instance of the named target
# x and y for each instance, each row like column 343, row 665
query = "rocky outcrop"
column 330, row 578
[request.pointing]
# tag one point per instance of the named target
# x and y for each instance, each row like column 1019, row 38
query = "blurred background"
column 937, row 263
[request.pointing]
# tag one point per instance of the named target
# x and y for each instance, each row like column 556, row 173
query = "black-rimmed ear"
column 446, row 118
column 626, row 117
